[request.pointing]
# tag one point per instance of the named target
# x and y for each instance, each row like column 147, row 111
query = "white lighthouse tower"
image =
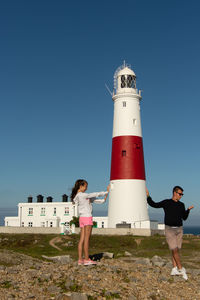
column 127, row 201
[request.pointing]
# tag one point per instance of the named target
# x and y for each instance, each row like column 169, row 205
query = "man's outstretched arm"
column 186, row 212
column 152, row 203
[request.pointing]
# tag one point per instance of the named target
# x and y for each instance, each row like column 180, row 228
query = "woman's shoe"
column 80, row 262
column 89, row 262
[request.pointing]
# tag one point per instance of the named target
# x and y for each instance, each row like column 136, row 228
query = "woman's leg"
column 88, row 230
column 80, row 244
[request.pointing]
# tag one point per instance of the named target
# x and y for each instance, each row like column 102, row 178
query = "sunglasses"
column 180, row 194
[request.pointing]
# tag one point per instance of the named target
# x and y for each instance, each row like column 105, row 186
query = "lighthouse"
column 127, row 201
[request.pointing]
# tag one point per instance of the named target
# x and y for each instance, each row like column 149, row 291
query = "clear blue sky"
column 56, row 115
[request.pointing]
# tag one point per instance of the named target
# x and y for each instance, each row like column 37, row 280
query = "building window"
column 51, row 224
column 22, row 224
column 66, row 210
column 134, row 121
column 124, row 103
column 123, row 152
column 30, row 224
column 42, row 211
column 102, row 224
column 136, row 146
column 42, row 224
column 67, row 224
column 30, row 211
column 54, row 211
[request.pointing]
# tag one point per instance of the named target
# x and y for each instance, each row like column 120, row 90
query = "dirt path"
column 56, row 240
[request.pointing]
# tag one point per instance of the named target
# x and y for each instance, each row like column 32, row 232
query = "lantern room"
column 124, row 80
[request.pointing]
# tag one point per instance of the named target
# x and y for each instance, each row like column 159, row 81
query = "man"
column 175, row 213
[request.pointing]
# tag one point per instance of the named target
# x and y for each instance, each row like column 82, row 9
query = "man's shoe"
column 175, row 271
column 183, row 273
column 89, row 262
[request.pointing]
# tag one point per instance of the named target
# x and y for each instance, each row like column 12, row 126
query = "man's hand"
column 191, row 207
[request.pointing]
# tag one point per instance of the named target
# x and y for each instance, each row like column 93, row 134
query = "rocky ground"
column 24, row 277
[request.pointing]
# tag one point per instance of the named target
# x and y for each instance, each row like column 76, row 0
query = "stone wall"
column 124, row 231
column 37, row 230
column 100, row 231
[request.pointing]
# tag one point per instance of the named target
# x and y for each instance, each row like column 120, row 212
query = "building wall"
column 161, row 226
column 146, row 224
column 56, row 214
column 102, row 222
column 42, row 214
column 11, row 221
column 34, row 215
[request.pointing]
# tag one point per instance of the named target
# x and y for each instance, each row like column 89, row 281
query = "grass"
column 6, row 284
column 26, row 244
column 74, row 287
column 37, row 245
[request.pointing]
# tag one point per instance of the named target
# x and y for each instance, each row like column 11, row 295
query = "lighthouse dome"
column 126, row 71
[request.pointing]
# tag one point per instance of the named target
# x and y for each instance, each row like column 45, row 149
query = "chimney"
column 30, row 199
column 40, row 198
column 49, row 199
column 64, row 198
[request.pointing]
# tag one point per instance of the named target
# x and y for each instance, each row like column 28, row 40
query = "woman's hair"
column 76, row 187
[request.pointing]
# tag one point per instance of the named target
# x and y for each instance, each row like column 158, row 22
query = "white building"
column 48, row 214
column 59, row 214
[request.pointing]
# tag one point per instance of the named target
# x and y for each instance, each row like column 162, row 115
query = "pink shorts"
column 84, row 221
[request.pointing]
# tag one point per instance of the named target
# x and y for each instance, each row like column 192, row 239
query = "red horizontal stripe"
column 127, row 158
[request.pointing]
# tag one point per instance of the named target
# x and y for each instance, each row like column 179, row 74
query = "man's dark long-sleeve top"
column 175, row 212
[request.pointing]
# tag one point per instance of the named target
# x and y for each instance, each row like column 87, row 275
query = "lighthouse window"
column 134, row 121
column 123, row 152
column 136, row 146
column 123, row 81
column 128, row 81
column 124, row 103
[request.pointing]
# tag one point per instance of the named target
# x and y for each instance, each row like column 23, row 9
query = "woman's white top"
column 85, row 200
